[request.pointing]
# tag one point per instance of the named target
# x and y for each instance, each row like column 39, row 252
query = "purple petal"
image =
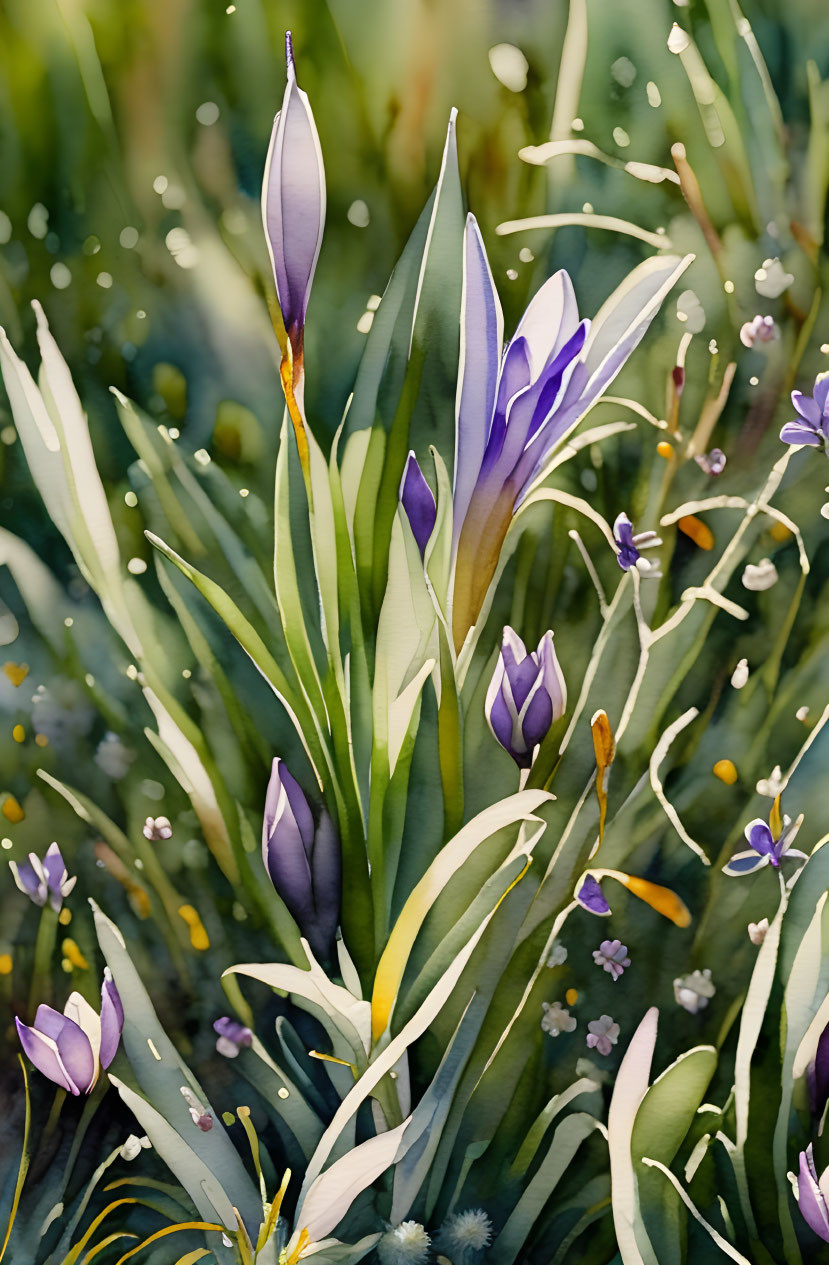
column 799, row 433
column 552, row 676
column 810, row 1197
column 285, row 847
column 745, row 863
column 482, row 327
column 418, row 502
column 44, row 1057
column 538, row 718
column 28, row 880
column 326, row 870
column 293, row 200
column 807, row 407
column 522, row 677
column 821, row 393
column 233, row 1031
column 590, row 896
column 550, row 319
column 760, row 838
column 74, row 1050
column 501, row 723
column 112, row 1020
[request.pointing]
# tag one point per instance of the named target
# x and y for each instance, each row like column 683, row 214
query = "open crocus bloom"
column 513, row 410
column 71, row 1048
column 812, row 426
column 44, row 880
column 764, row 848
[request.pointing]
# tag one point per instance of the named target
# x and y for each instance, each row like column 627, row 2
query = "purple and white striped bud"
column 44, row 880
column 71, row 1048
column 293, row 202
column 303, row 860
column 526, row 695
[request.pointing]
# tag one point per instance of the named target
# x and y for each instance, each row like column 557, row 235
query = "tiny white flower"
column 556, row 1019
column 694, row 991
column 761, row 330
column 133, row 1146
column 156, row 828
column 465, row 1233
column 770, row 787
column 558, row 955
column 404, row 1244
column 757, row 931
column 760, row 576
column 740, row 674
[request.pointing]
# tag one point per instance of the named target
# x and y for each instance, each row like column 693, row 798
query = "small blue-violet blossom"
column 629, row 547
column 813, row 425
column 44, row 880
column 71, row 1048
column 612, row 956
column 811, row 1194
column 232, row 1036
column 602, row 1034
column 526, row 694
column 303, row 860
column 764, row 849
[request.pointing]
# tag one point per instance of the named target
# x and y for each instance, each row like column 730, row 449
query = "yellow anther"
column 5, row 964
column 198, row 936
column 19, row 733
column 665, row 449
column 11, row 810
column 726, row 771
column 780, row 532
column 65, row 917
column 73, row 955
column 16, row 672
column 571, row 996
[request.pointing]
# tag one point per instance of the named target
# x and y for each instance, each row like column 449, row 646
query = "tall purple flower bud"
column 303, row 860
column 526, row 694
column 418, row 502
column 293, row 214
column 71, row 1048
column 293, row 201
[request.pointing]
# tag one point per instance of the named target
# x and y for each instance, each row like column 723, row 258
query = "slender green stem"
column 47, row 933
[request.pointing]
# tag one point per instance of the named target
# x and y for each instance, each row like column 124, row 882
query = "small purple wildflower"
column 764, row 849
column 712, row 462
column 612, row 957
column 232, row 1036
column 629, row 547
column 603, row 1034
column 761, row 330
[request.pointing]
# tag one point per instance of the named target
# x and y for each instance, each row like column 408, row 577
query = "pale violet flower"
column 404, row 1244
column 556, row 1019
column 693, row 992
column 761, row 330
column 712, row 462
column 465, row 1234
column 603, row 1034
column 232, row 1036
column 557, row 955
column 612, row 957
column 44, row 880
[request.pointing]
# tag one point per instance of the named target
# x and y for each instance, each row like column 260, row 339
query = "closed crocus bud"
column 526, row 694
column 811, row 1196
column 71, row 1048
column 303, row 861
column 418, row 502
column 293, row 203
column 44, row 880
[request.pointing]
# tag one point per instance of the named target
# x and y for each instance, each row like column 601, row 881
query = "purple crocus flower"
column 418, row 501
column 591, row 897
column 512, row 411
column 526, row 694
column 811, row 1198
column 630, row 545
column 71, row 1048
column 232, row 1036
column 303, row 861
column 44, row 880
column 293, row 203
column 764, row 848
column 813, row 426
